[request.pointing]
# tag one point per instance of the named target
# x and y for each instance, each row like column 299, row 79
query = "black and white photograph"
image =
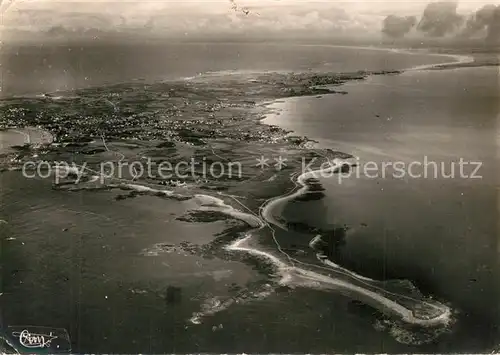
column 249, row 176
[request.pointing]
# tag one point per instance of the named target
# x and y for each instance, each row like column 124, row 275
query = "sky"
column 220, row 16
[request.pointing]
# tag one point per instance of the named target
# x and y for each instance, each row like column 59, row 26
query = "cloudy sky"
column 195, row 16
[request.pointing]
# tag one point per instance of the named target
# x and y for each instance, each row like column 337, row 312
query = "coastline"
column 228, row 205
column 62, row 94
column 301, row 187
column 376, row 294
column 462, row 62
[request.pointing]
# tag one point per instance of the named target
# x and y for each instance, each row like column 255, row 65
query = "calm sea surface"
column 34, row 69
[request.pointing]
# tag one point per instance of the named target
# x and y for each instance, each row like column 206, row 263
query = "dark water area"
column 439, row 231
column 29, row 69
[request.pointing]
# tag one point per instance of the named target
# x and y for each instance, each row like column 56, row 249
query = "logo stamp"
column 33, row 339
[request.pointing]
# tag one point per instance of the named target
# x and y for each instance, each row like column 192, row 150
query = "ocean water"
column 441, row 231
column 45, row 68
column 115, row 278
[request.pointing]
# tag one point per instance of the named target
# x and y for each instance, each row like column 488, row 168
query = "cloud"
column 494, row 27
column 440, row 19
column 398, row 26
column 484, row 22
column 171, row 17
column 174, row 17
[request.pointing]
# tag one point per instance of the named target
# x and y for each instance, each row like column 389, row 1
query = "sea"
column 421, row 205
